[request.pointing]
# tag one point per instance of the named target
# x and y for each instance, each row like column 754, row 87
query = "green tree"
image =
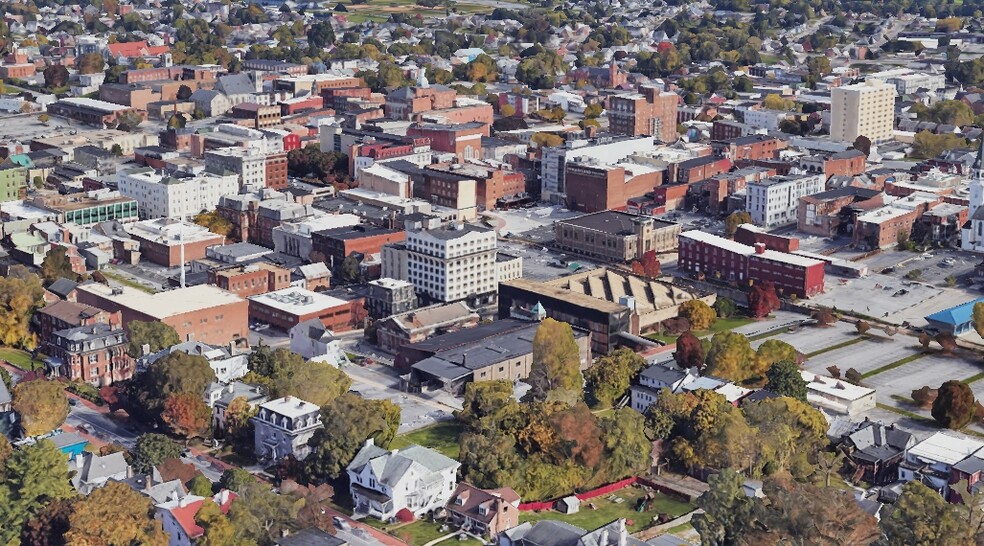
column 700, row 315
column 262, row 516
column 32, row 477
column 775, row 102
column 788, row 432
column 490, row 405
column 152, row 450
column 43, row 119
column 42, row 406
column 955, row 405
column 772, row 351
column 321, row 35
column 491, row 460
column 56, row 265
column 90, row 63
column 349, row 269
column 200, row 485
column 507, row 110
column 556, row 370
column 725, row 307
column 808, row 515
column 611, row 375
column 784, row 378
column 131, row 514
column 734, row 220
column 349, row 421
column 626, row 446
column 184, row 93
column 926, row 145
column 727, row 511
column 978, row 318
column 922, row 517
column 234, row 479
column 290, row 375
column 55, row 76
column 593, row 111
column 129, row 120
column 215, row 223
column 156, row 335
column 179, row 373
column 731, row 357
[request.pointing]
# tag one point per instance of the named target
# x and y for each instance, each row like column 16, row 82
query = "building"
column 177, row 195
column 362, row 239
column 864, row 109
column 248, row 164
column 90, row 471
column 259, row 115
column 464, row 140
column 229, row 362
column 250, row 280
column 774, row 201
column 13, row 182
column 172, row 243
column 62, row 315
column 876, row 451
column 553, row 166
column 494, row 182
column 94, row 354
column 178, row 516
column 220, row 395
column 283, row 428
column 593, row 187
column 837, row 395
column 751, row 235
column 748, row 148
column 885, row 226
column 972, row 234
column 700, row 168
column 404, row 102
column 390, row 297
column 616, row 236
column 501, row 350
column 88, row 208
column 847, row 163
column 655, row 378
column 957, row 320
column 710, row 256
column 907, row 81
column 294, row 237
column 456, row 263
column 483, row 512
column 289, row 307
column 933, row 460
column 651, row 112
column 834, row 212
column 508, row 267
column 92, row 112
column 415, row 326
column 198, row 313
column 415, row 479
column 314, row 341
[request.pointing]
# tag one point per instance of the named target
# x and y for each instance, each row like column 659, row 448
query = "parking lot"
column 381, row 382
column 809, row 339
column 865, row 356
column 930, row 370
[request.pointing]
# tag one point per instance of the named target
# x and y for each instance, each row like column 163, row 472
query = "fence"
column 603, row 490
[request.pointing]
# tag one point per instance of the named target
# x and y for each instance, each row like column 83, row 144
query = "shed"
column 568, row 505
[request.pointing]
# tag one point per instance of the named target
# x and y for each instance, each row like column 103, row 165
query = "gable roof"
column 62, row 287
column 185, row 510
column 389, row 467
column 310, row 537
column 960, row 314
column 553, row 533
column 136, row 49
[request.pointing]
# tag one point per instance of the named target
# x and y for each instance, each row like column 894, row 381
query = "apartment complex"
column 616, row 236
column 866, row 109
column 177, row 195
column 13, row 182
column 651, row 111
column 94, row 354
column 774, row 201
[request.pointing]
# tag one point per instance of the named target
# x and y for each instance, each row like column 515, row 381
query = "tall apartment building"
column 866, row 108
column 250, row 165
column 774, row 201
column 178, row 195
column 449, row 264
column 553, row 166
column 651, row 111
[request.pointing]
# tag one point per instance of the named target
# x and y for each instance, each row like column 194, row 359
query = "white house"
column 178, row 516
column 654, row 378
column 283, row 427
column 228, row 363
column 92, row 471
column 932, row 459
column 415, row 478
column 313, row 341
column 177, row 195
column 837, row 394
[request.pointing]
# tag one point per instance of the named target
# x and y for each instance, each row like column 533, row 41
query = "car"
column 73, row 402
column 950, row 261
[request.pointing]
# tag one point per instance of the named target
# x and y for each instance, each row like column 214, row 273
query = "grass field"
column 607, row 511
column 419, row 533
column 380, row 10
column 21, row 359
column 720, row 325
column 442, row 437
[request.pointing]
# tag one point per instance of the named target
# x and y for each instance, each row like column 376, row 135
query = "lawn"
column 441, row 437
column 21, row 359
column 419, row 533
column 607, row 511
column 720, row 325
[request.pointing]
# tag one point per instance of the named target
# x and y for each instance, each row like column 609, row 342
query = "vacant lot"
column 608, row 509
column 442, row 437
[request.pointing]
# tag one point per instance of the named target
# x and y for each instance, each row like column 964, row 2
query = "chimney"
column 603, row 540
column 623, row 533
column 760, row 248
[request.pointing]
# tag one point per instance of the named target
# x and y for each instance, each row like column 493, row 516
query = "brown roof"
column 174, row 469
column 71, row 312
column 467, row 499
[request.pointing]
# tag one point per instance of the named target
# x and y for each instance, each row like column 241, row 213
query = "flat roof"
column 297, row 301
column 947, row 448
column 612, row 221
column 290, row 406
column 720, row 242
column 835, row 388
column 166, row 304
column 564, row 294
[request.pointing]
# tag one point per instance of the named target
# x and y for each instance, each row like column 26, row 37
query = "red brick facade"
column 593, row 189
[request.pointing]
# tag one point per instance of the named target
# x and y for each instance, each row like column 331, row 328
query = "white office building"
column 178, row 195
column 248, row 164
column 866, row 108
column 450, row 264
column 773, row 201
column 907, row 81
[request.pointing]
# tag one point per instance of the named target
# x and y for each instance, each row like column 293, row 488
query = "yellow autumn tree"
column 20, row 296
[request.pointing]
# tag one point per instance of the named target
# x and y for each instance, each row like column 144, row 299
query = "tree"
column 947, row 342
column 215, row 223
column 689, row 351
column 730, row 356
column 315, row 499
column 184, row 93
column 49, row 526
column 187, row 415
column 734, row 220
column 725, row 307
column 321, row 35
column 176, row 121
column 954, row 405
column 853, row 376
column 179, row 373
column 775, row 350
column 775, row 102
column 923, row 518
column 155, row 335
column 610, row 376
column 556, row 370
column 649, row 266
column 128, row 120
column 20, row 295
column 593, row 110
column 152, row 450
column 116, row 150
column 700, row 315
column 924, row 397
column 234, row 479
column 762, row 299
column 41, row 405
column 507, row 110
column 727, row 511
column 259, row 515
column 239, row 430
column 216, row 527
column 862, row 327
column 349, row 421
column 90, row 63
column 349, row 270
column 290, row 375
column 131, row 514
column 33, row 476
column 56, row 265
column 55, row 75
column 43, row 119
column 546, row 140
column 926, row 145
column 626, row 446
column 200, row 485
column 784, row 378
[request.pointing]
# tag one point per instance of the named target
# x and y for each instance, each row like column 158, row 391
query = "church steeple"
column 976, row 197
column 979, row 161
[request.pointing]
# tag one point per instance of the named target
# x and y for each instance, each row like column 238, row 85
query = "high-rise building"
column 866, row 108
column 651, row 111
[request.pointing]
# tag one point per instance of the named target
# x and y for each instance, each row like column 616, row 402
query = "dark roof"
column 875, row 442
column 62, row 287
column 859, row 193
column 553, row 533
column 698, row 161
column 846, row 154
column 355, row 232
column 970, row 465
column 611, row 221
column 310, row 537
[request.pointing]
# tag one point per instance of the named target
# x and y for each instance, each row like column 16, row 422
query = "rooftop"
column 956, row 315
column 298, row 301
column 946, row 447
column 163, row 304
column 290, row 407
column 611, row 221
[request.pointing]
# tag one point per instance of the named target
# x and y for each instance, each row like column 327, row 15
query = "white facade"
column 283, row 427
column 313, row 341
column 394, row 260
column 773, row 201
column 554, row 164
column 165, row 196
column 452, row 264
column 765, row 119
column 972, row 237
column 654, row 378
column 294, row 238
column 907, row 81
column 249, row 164
column 508, row 267
column 862, row 109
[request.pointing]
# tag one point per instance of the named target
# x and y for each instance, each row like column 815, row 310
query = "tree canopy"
column 42, row 406
column 556, row 370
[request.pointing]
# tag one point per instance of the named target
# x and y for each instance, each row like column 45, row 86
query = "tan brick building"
column 651, row 111
column 250, row 280
column 616, row 236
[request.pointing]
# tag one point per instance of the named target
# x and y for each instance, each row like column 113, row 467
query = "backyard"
column 608, row 508
column 419, row 533
column 441, row 437
column 720, row 325
column 21, row 359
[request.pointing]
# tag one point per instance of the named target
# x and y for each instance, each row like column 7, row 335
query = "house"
column 419, row 324
column 314, row 341
column 415, row 478
column 228, row 362
column 932, row 460
column 92, row 471
column 94, row 354
column 957, row 320
column 612, row 534
column 178, row 516
column 283, row 427
column 483, row 512
column 837, row 395
column 653, row 379
column 876, row 451
column 546, row 532
column 158, row 490
column 219, row 395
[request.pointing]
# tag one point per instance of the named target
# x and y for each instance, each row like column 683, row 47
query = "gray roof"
column 5, row 397
column 663, row 374
column 236, row 84
column 315, row 329
column 553, row 533
column 390, row 467
column 970, row 465
column 876, row 442
column 310, row 537
column 103, row 335
column 95, row 467
column 62, row 287
column 66, row 439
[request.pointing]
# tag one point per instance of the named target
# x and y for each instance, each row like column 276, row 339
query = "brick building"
column 250, row 280
column 716, row 258
column 700, row 168
column 750, row 234
column 883, row 227
column 198, row 313
column 276, row 170
column 593, row 187
column 651, row 111
column 834, row 212
column 751, row 147
column 846, row 163
column 95, row 354
column 259, row 115
column 711, row 195
column 61, row 315
column 339, row 243
column 492, row 181
column 464, row 140
column 161, row 240
column 616, row 236
column 92, row 112
column 287, row 308
column 404, row 102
